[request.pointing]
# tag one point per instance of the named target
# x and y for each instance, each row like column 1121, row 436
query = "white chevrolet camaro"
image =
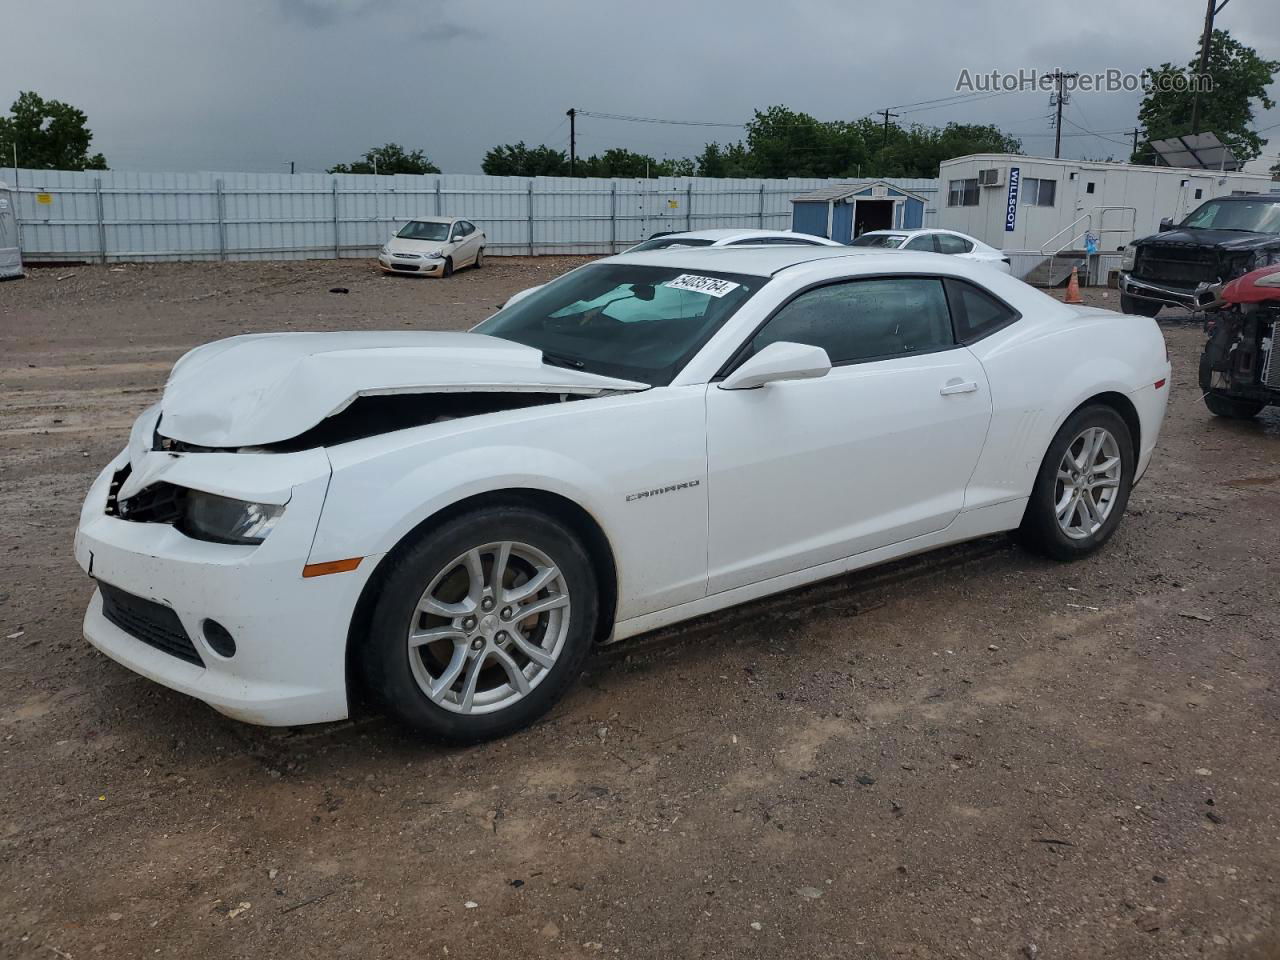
column 450, row 521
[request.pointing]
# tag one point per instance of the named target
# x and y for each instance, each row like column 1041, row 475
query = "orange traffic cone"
column 1073, row 288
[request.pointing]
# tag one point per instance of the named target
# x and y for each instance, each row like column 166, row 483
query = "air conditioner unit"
column 993, row 177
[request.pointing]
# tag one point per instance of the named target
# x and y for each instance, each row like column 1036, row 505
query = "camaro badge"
column 658, row 491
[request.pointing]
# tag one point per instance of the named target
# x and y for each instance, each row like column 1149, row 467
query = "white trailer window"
column 1038, row 193
column 962, row 193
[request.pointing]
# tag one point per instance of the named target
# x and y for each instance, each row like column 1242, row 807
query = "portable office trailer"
column 847, row 210
column 10, row 255
column 1042, row 206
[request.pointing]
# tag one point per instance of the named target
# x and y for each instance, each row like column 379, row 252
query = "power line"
column 677, row 123
column 972, row 99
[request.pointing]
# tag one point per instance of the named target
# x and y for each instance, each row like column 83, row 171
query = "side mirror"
column 1166, row 224
column 777, row 362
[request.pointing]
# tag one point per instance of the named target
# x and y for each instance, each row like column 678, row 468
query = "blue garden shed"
column 848, row 210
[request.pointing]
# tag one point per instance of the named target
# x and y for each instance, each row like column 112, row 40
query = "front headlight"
column 386, row 249
column 1265, row 258
column 223, row 520
column 433, row 255
column 1129, row 256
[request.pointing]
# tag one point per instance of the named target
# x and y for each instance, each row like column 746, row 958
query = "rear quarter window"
column 975, row 312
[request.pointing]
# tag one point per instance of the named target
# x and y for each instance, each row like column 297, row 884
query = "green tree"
column 620, row 162
column 386, row 159
column 49, row 135
column 517, row 160
column 784, row 143
column 1240, row 77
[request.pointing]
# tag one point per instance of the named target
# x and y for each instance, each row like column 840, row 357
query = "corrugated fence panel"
column 111, row 215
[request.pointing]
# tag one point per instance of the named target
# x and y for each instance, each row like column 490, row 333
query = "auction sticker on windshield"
column 711, row 286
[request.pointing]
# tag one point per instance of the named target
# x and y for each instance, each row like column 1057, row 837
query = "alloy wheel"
column 1088, row 482
column 489, row 627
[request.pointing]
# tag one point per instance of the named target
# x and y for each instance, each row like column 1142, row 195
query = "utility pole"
column 1213, row 9
column 1135, row 143
column 1060, row 98
column 884, row 141
column 572, row 114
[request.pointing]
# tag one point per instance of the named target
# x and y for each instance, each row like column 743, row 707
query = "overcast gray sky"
column 236, row 85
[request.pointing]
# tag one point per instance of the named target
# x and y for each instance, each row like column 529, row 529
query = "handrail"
column 1101, row 211
column 1043, row 246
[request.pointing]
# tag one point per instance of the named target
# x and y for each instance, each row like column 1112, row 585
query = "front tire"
column 1143, row 308
column 482, row 625
column 1083, row 485
column 448, row 267
column 1220, row 406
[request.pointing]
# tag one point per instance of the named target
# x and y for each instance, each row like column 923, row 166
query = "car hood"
column 266, row 388
column 1229, row 240
column 405, row 245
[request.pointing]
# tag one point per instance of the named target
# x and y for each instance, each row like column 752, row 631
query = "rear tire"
column 448, row 652
column 1228, row 407
column 479, row 258
column 1083, row 485
column 1143, row 308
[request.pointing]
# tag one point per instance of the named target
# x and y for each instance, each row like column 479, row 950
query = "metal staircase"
column 1060, row 257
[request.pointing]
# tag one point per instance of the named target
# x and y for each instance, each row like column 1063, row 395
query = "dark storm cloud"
column 251, row 86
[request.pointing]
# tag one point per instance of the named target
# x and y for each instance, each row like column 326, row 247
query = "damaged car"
column 447, row 523
column 1220, row 240
column 1239, row 368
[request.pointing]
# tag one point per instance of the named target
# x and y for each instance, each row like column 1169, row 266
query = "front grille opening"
column 158, row 503
column 153, row 623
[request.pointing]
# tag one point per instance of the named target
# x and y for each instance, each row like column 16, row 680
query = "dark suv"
column 1220, row 240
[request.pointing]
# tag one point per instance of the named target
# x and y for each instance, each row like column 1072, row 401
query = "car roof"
column 433, row 219
column 754, row 261
column 726, row 233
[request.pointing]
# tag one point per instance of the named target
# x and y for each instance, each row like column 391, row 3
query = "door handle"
column 958, row 386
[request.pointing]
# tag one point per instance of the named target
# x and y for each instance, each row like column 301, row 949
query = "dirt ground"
column 977, row 754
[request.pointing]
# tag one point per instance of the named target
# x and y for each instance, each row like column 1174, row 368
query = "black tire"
column 1143, row 308
column 448, row 267
column 1040, row 530
column 1229, row 407
column 479, row 259
column 388, row 672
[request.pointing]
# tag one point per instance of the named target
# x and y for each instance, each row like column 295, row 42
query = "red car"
column 1240, row 368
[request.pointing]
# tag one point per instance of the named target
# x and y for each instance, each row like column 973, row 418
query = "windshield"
column 424, row 230
column 666, row 243
column 1256, row 216
column 621, row 320
column 891, row 240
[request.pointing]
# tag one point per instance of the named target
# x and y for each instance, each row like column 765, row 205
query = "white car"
column 433, row 247
column 452, row 520
column 935, row 241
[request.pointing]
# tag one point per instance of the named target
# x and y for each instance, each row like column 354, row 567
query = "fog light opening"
column 219, row 638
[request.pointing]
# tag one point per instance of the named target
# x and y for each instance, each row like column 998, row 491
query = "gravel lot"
column 977, row 754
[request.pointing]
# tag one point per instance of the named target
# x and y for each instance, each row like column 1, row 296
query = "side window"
column 923, row 242
column 865, row 319
column 467, row 229
column 977, row 314
column 949, row 244
column 749, row 242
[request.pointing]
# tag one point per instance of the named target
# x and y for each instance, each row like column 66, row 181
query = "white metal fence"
column 112, row 215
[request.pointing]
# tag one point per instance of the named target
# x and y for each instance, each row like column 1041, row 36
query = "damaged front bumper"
column 1157, row 292
column 162, row 590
